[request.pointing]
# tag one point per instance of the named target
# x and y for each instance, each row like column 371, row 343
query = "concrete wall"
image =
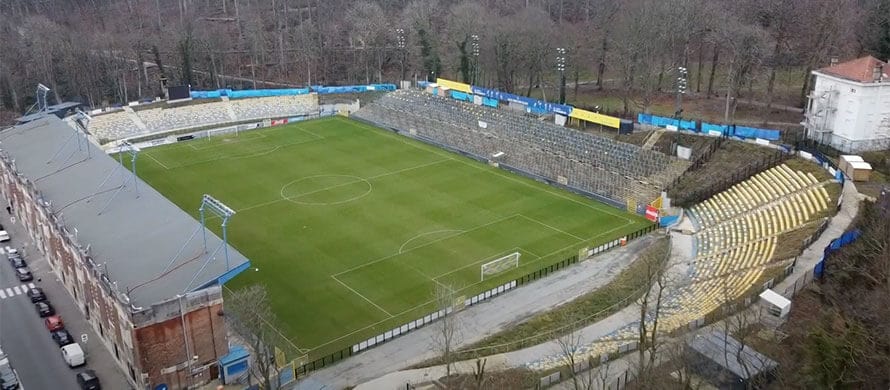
column 862, row 112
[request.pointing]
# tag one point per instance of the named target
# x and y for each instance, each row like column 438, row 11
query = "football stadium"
column 352, row 227
column 368, row 221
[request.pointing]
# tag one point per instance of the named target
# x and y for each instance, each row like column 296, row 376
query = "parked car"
column 24, row 274
column 36, row 294
column 18, row 262
column 4, row 236
column 73, row 355
column 12, row 252
column 54, row 323
column 88, row 380
column 44, row 309
column 8, row 378
column 62, row 337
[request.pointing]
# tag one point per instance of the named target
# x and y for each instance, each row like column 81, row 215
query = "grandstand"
column 617, row 172
column 129, row 123
column 736, row 235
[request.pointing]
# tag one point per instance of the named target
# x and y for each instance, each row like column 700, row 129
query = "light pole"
column 561, row 68
column 475, row 57
column 400, row 33
column 682, row 81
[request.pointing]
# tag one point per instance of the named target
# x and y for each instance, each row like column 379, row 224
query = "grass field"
column 352, row 227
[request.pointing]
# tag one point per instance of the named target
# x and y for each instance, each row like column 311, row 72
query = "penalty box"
column 405, row 280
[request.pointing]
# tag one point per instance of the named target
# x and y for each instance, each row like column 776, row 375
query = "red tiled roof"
column 860, row 70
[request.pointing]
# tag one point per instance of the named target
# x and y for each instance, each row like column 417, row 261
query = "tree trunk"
column 601, row 68
column 729, row 92
column 701, row 54
column 714, row 61
column 772, row 79
column 805, row 88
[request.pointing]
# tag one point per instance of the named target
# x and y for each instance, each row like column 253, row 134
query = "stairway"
column 653, row 139
column 135, row 118
column 230, row 109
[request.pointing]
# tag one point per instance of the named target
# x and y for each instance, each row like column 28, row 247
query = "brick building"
column 133, row 261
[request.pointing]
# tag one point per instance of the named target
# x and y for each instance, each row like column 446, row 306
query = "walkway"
column 480, row 321
column 629, row 315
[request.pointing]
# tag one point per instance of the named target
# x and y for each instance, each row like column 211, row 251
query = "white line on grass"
column 257, row 154
column 363, row 297
column 427, row 244
column 462, row 289
column 489, row 258
column 551, row 227
column 157, row 161
column 484, row 168
column 284, row 198
column 401, row 248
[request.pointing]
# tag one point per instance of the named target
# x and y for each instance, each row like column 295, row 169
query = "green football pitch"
column 352, row 227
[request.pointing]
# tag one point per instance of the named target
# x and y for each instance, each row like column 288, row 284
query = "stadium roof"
column 136, row 236
column 55, row 109
column 859, row 70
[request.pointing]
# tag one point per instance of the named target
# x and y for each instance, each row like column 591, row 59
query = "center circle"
column 326, row 190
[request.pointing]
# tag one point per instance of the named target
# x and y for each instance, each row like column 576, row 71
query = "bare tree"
column 650, row 306
column 569, row 345
column 447, row 327
column 250, row 316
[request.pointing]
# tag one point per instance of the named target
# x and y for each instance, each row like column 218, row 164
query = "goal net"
column 500, row 265
column 223, row 131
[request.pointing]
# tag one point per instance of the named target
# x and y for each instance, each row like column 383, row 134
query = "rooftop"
column 859, row 70
column 712, row 344
column 135, row 235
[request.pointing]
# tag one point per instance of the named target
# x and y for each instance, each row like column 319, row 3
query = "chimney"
column 833, row 61
column 877, row 73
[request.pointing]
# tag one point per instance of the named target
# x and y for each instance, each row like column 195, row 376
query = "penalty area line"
column 363, row 297
column 157, row 161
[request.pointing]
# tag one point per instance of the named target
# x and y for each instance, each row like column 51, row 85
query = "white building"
column 849, row 107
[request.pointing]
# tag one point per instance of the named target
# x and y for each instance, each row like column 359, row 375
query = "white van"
column 73, row 355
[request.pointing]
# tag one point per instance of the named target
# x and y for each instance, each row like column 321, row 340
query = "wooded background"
column 104, row 52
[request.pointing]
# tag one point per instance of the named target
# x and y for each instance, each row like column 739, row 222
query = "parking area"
column 31, row 348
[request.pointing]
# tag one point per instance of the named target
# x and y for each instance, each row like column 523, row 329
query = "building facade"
column 176, row 341
column 849, row 108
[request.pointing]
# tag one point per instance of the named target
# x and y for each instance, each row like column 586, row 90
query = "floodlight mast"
column 225, row 212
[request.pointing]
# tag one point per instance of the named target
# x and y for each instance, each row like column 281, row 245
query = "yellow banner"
column 600, row 119
column 656, row 203
column 456, row 86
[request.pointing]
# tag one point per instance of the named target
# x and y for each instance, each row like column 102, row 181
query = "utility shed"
column 727, row 363
column 776, row 304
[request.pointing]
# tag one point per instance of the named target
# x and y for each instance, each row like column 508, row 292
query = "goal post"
column 222, row 131
column 499, row 265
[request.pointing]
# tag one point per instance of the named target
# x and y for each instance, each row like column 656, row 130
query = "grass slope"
column 352, row 227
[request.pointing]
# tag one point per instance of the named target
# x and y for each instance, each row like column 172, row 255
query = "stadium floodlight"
column 500, row 265
column 400, row 36
column 475, row 39
column 682, row 83
column 225, row 212
column 42, row 90
column 561, row 68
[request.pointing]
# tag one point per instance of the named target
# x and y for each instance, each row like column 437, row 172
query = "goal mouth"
column 499, row 265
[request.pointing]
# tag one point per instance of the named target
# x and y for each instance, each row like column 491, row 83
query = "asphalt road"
column 24, row 338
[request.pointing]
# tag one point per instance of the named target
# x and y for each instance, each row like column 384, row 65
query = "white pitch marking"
column 363, row 297
column 16, row 289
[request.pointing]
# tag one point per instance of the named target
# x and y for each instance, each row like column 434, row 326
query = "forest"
column 105, row 52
